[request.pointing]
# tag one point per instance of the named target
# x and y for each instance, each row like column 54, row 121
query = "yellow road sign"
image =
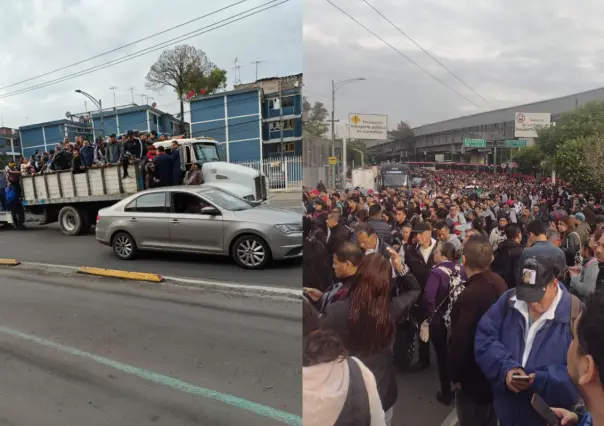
column 355, row 119
column 333, row 161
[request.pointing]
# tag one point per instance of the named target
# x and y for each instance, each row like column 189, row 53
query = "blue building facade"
column 234, row 119
column 44, row 137
column 10, row 147
column 256, row 121
column 143, row 118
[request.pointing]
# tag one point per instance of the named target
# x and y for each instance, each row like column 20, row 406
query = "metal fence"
column 282, row 174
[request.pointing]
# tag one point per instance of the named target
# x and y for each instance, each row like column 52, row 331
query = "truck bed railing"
column 95, row 184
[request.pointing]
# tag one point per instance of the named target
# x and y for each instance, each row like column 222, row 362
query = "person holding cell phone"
column 522, row 341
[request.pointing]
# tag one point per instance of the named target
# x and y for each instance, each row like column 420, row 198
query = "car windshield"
column 225, row 200
column 205, row 152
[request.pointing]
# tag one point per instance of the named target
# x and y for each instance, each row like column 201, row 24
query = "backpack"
column 575, row 307
column 456, row 286
column 11, row 195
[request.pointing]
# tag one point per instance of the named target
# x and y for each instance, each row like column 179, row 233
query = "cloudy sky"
column 38, row 36
column 510, row 51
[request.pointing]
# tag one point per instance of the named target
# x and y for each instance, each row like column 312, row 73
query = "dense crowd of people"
column 500, row 274
column 159, row 165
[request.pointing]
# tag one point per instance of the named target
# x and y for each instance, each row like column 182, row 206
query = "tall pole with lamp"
column 335, row 85
column 99, row 104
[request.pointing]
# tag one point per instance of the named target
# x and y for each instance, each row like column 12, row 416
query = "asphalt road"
column 88, row 351
column 416, row 403
column 46, row 244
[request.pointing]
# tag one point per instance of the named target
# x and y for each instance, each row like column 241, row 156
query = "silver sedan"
column 198, row 219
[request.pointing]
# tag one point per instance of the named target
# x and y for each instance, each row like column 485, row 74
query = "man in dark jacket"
column 133, row 150
column 337, row 233
column 162, row 165
column 176, row 170
column 382, row 229
column 420, row 260
column 473, row 396
column 506, row 256
column 87, row 154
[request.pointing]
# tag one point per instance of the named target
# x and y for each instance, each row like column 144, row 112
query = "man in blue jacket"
column 522, row 341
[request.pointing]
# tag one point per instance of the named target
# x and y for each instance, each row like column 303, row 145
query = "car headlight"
column 292, row 228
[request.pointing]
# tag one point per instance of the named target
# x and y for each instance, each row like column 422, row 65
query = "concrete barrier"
column 125, row 275
column 9, row 262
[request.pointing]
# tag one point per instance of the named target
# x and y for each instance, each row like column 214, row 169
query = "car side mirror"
column 210, row 211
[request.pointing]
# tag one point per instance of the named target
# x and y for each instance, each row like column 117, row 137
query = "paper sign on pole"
column 368, row 126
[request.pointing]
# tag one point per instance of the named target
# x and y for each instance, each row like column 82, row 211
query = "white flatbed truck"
column 74, row 199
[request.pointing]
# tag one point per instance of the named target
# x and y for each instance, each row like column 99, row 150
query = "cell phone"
column 544, row 411
column 520, row 378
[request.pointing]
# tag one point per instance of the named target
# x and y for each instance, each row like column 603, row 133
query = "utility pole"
column 333, row 132
column 112, row 88
column 257, row 63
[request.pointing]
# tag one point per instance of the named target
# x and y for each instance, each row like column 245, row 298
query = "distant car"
column 200, row 219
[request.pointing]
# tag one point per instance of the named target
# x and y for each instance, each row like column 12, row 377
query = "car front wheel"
column 124, row 246
column 251, row 252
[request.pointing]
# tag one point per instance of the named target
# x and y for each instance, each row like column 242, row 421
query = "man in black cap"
column 522, row 342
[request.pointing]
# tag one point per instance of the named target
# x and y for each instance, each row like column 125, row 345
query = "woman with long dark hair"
column 364, row 323
column 336, row 389
column 570, row 241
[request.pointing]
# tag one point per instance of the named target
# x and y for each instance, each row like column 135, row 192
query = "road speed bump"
column 125, row 275
column 9, row 262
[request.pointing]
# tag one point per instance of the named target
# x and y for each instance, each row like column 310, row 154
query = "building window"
column 289, row 147
column 287, row 102
column 274, row 104
column 281, row 125
column 154, row 119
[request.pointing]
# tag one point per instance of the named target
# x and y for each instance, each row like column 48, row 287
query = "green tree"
column 403, row 130
column 316, row 123
column 582, row 122
column 184, row 68
column 572, row 164
column 529, row 160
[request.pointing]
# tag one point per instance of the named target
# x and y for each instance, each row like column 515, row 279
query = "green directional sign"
column 475, row 143
column 516, row 143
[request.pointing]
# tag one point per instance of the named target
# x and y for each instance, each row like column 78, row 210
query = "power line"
column 254, row 11
column 403, row 55
column 428, row 53
column 124, row 46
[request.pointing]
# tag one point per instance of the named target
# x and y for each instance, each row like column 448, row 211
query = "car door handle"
column 174, row 221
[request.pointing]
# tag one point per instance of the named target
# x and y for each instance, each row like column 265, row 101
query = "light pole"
column 99, row 104
column 362, row 156
column 335, row 85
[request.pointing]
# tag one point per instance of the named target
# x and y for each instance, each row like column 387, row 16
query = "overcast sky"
column 38, row 36
column 510, row 51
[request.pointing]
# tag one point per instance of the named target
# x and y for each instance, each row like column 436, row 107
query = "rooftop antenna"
column 237, row 69
column 86, row 106
column 112, row 88
column 132, row 94
column 257, row 63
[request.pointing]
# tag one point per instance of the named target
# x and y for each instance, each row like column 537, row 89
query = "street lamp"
column 99, row 104
column 335, row 85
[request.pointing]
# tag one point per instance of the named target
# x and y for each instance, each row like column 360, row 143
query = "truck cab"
column 204, row 151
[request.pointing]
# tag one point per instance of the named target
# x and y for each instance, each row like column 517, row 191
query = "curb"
column 250, row 290
column 125, row 275
column 9, row 262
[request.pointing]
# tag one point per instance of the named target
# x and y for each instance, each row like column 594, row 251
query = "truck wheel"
column 71, row 221
column 124, row 246
column 251, row 252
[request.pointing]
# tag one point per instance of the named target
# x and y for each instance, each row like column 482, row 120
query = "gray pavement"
column 46, row 244
column 417, row 402
column 93, row 352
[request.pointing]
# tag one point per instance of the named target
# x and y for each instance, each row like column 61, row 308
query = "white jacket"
column 324, row 390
